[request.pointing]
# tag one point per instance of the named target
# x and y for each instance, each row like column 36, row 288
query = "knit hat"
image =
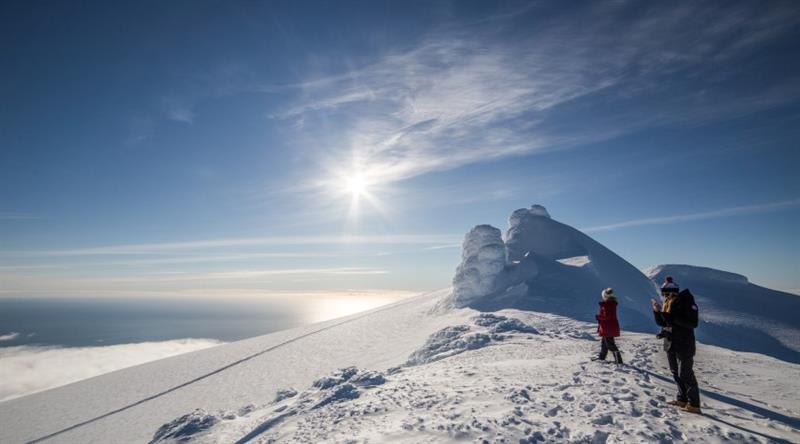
column 608, row 293
column 669, row 286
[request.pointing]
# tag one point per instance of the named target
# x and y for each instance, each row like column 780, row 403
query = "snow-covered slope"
column 737, row 314
column 491, row 360
column 130, row 404
column 546, row 266
column 512, row 376
column 516, row 377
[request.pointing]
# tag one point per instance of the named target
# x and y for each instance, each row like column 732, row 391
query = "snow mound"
column 184, row 428
column 547, row 266
column 737, row 314
column 455, row 339
column 447, row 342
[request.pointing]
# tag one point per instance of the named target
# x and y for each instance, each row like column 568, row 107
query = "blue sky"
column 252, row 148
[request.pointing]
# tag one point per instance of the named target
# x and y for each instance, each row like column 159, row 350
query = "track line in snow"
column 214, row 372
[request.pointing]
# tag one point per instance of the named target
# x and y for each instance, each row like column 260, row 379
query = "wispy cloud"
column 208, row 244
column 9, row 336
column 465, row 95
column 29, row 369
column 716, row 214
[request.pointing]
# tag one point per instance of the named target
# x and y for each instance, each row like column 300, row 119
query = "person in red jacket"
column 608, row 327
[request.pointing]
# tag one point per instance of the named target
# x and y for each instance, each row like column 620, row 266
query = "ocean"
column 97, row 321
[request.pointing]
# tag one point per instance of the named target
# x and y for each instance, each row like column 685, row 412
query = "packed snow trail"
column 516, row 377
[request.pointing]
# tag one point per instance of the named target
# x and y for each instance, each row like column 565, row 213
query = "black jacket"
column 681, row 322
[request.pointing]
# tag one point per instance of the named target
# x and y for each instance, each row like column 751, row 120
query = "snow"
column 134, row 402
column 737, row 314
column 503, row 356
column 527, row 388
column 483, row 259
column 577, row 261
column 548, row 267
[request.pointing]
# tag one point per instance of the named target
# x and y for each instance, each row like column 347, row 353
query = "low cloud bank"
column 28, row 369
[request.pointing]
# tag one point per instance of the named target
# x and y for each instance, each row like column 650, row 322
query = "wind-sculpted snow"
column 186, row 427
column 737, row 314
column 483, row 258
column 250, row 422
column 457, row 339
column 547, row 266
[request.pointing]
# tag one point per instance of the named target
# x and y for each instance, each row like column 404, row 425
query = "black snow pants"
column 681, row 367
column 608, row 345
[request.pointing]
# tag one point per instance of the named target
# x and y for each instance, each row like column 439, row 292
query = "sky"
column 215, row 148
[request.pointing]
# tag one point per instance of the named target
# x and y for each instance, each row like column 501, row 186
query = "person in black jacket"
column 678, row 318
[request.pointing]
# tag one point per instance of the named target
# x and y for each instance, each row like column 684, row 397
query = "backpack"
column 689, row 307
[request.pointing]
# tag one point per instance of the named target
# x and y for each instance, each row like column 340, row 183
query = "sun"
column 356, row 185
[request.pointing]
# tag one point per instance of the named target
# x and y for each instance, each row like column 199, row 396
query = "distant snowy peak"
column 691, row 272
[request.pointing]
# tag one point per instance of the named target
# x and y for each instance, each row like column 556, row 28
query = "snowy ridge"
column 737, row 314
column 694, row 273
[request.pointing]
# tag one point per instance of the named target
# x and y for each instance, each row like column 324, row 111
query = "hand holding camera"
column 656, row 305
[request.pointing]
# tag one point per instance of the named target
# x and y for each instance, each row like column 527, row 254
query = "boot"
column 618, row 357
column 677, row 403
column 692, row 409
column 597, row 358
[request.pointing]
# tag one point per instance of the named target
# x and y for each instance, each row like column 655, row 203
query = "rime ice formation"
column 545, row 265
column 732, row 308
column 483, row 258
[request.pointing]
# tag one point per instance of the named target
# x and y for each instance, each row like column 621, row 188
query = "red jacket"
column 607, row 318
